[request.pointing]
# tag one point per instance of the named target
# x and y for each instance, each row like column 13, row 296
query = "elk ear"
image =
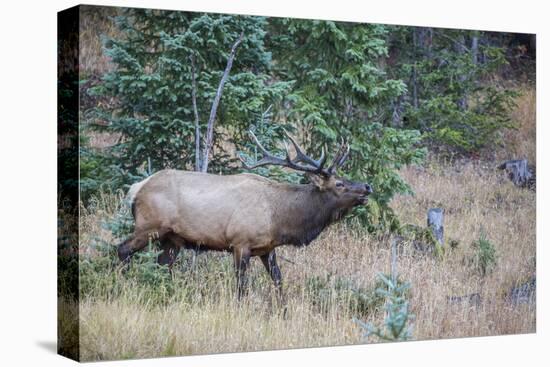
column 316, row 180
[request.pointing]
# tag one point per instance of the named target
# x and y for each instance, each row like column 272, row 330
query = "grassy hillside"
column 144, row 313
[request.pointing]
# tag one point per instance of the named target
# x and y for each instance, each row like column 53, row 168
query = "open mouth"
column 363, row 199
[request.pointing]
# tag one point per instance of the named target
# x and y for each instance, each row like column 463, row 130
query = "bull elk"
column 245, row 214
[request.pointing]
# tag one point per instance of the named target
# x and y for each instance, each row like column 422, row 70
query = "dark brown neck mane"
column 305, row 213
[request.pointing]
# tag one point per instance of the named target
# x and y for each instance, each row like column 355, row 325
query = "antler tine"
column 243, row 161
column 344, row 156
column 257, row 142
column 335, row 160
column 287, row 151
column 302, row 157
column 263, row 162
column 268, row 158
column 311, row 166
column 323, row 159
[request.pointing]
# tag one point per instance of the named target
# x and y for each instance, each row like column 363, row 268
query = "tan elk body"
column 245, row 214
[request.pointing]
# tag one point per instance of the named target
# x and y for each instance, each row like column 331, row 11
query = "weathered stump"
column 518, row 171
column 435, row 223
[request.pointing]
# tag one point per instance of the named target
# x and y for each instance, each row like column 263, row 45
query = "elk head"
column 344, row 192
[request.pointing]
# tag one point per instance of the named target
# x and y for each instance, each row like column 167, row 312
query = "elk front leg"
column 241, row 256
column 270, row 262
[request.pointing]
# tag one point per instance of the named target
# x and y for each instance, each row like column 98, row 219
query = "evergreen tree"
column 160, row 59
column 450, row 98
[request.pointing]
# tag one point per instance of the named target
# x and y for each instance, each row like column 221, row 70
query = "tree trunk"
column 196, row 112
column 430, row 36
column 397, row 121
column 518, row 171
column 414, row 77
column 435, row 223
column 475, row 48
column 210, row 126
column 460, row 48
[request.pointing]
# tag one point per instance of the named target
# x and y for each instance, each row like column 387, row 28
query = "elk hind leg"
column 270, row 263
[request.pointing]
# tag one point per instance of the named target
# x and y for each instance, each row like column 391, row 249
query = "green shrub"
column 485, row 257
column 422, row 238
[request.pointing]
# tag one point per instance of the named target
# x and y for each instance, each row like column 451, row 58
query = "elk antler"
column 339, row 158
column 311, row 165
column 302, row 157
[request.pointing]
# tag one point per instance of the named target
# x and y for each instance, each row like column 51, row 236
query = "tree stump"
column 435, row 223
column 518, row 171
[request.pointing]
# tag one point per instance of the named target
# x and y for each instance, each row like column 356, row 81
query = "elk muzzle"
column 364, row 198
column 368, row 188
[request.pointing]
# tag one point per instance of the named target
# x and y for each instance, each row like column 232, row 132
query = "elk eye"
column 339, row 184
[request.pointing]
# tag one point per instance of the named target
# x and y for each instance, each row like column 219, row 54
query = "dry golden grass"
column 476, row 199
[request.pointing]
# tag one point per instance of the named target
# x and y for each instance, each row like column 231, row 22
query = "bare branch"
column 216, row 102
